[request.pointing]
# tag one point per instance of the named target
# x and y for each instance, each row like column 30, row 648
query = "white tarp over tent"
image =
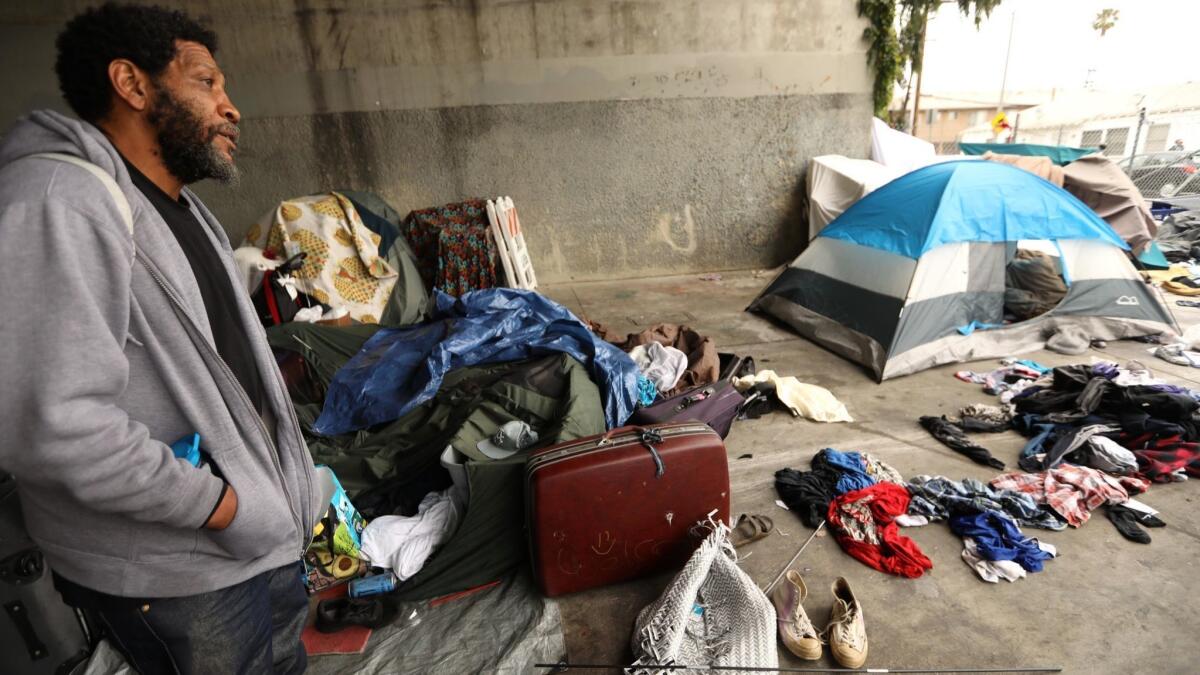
column 835, row 182
column 898, row 150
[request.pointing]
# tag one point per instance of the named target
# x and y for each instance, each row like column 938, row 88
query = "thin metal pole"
column 783, row 571
column 1137, row 136
column 1004, row 78
column 559, row 667
column 1007, row 54
column 917, row 98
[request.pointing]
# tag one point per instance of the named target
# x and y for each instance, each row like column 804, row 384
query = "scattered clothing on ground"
column 1012, row 377
column 1073, row 492
column 853, row 472
column 863, row 521
column 980, row 417
column 939, row 498
column 1129, row 522
column 1069, row 443
column 953, row 437
column 997, row 537
column 880, row 470
column 808, row 493
column 992, row 571
column 1166, row 460
column 803, row 400
column 858, row 470
column 1107, row 455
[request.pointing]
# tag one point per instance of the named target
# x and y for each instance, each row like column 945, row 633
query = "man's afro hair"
column 145, row 35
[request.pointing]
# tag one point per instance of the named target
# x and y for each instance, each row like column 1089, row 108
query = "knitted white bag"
column 711, row 614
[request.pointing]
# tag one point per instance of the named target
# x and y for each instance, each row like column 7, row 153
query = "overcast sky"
column 1154, row 42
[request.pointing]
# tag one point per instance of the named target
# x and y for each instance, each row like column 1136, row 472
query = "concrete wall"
column 636, row 137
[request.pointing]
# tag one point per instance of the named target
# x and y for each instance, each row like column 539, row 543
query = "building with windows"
column 1158, row 119
column 943, row 117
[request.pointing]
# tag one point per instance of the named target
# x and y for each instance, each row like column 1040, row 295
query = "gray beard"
column 188, row 146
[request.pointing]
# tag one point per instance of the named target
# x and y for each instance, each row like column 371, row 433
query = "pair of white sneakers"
column 846, row 633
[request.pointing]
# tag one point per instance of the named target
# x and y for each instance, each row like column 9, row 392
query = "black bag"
column 272, row 302
column 732, row 365
column 39, row 634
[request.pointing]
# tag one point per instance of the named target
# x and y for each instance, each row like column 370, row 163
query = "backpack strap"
column 109, row 182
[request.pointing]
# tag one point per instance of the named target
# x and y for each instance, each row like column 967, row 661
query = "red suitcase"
column 618, row 506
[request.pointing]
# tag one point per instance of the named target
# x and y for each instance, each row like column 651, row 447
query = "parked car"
column 1164, row 174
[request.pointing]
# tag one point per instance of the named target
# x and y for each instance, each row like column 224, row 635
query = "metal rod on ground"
column 560, row 667
column 791, row 562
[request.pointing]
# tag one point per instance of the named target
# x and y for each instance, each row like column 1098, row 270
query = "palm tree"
column 1105, row 20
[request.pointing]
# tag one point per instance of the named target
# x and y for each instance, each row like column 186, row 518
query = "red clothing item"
column 1162, row 460
column 864, row 523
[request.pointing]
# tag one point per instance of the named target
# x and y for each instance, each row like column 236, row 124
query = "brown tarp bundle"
column 1105, row 188
column 704, row 366
column 1039, row 166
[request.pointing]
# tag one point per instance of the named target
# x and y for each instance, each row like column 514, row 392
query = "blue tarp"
column 967, row 200
column 1059, row 154
column 1153, row 257
column 400, row 368
column 978, row 325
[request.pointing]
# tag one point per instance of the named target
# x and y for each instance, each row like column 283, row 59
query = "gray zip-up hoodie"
column 106, row 358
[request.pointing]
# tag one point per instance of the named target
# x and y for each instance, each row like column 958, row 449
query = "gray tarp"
column 1100, row 184
column 505, row 630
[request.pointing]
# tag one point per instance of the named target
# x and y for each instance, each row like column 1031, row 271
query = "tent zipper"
column 242, row 395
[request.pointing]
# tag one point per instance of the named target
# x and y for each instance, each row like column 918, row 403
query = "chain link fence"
column 1165, row 174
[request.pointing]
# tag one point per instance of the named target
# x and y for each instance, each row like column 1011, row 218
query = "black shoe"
column 336, row 615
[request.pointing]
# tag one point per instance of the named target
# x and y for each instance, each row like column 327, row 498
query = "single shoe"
column 1173, row 354
column 341, row 613
column 847, row 631
column 795, row 629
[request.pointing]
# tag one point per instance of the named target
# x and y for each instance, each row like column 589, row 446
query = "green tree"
column 891, row 52
column 1105, row 20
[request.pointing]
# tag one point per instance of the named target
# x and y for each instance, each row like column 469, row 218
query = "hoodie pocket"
column 263, row 522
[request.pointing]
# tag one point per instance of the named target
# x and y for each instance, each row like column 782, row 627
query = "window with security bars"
column 1091, row 139
column 1115, row 140
column 1156, row 138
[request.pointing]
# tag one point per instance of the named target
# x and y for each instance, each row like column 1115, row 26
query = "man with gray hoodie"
column 125, row 331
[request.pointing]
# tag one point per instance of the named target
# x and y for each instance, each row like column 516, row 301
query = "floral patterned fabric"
column 455, row 251
column 342, row 267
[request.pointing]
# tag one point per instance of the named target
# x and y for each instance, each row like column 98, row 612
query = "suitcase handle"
column 20, row 617
column 648, row 437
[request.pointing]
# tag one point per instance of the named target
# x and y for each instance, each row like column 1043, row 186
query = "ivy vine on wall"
column 894, row 47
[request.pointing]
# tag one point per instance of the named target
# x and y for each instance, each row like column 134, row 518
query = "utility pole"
column 917, row 97
column 1007, row 55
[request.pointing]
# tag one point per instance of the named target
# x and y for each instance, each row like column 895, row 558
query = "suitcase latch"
column 649, row 438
